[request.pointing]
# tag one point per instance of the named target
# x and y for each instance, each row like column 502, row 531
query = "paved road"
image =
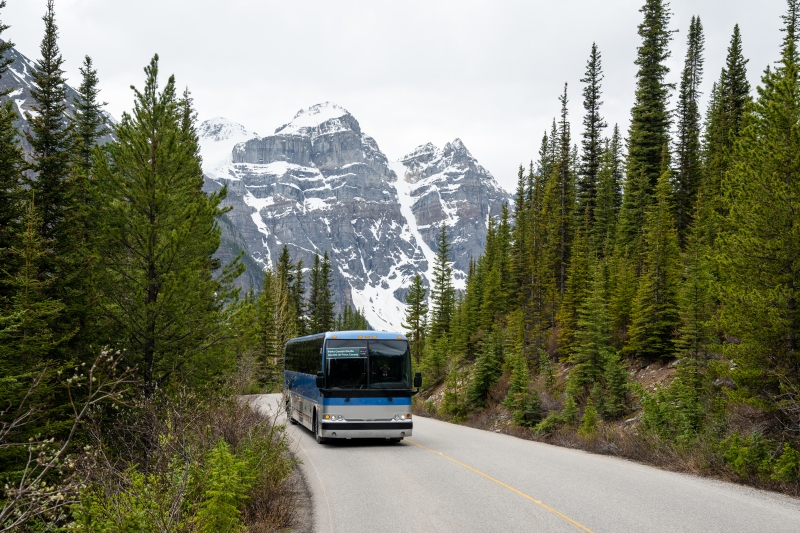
column 454, row 478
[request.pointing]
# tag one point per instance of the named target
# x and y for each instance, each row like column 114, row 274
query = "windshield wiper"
column 354, row 387
column 386, row 391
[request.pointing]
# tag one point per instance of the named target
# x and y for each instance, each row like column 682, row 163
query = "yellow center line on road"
column 509, row 487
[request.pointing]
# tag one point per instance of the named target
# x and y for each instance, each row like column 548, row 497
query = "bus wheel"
column 395, row 439
column 320, row 438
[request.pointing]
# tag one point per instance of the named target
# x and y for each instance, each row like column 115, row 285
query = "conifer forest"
column 672, row 245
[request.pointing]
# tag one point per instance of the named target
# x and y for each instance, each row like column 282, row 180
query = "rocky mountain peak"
column 319, row 184
column 320, row 119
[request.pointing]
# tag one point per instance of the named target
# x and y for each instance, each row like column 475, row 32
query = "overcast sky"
column 410, row 72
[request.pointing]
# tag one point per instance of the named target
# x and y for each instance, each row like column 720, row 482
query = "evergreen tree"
column 729, row 98
column 689, row 170
column 442, row 293
column 51, row 144
column 320, row 300
column 592, row 143
column 650, row 120
column 297, row 291
column 351, row 319
column 270, row 347
column 49, row 179
column 757, row 253
column 159, row 232
column 11, row 191
column 578, row 284
column 591, row 339
column 609, row 196
column 488, row 369
column 655, row 312
column 559, row 202
column 89, row 123
column 415, row 316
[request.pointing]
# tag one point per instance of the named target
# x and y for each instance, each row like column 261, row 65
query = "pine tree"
column 89, row 123
column 270, row 348
column 609, row 196
column 655, row 312
column 49, row 179
column 578, row 284
column 757, row 253
column 726, row 110
column 27, row 337
column 689, row 170
column 415, row 315
column 159, row 232
column 11, row 192
column 297, row 291
column 559, row 202
column 650, row 120
column 592, row 336
column 592, row 143
column 320, row 300
column 488, row 369
column 314, row 296
column 50, row 139
column 442, row 293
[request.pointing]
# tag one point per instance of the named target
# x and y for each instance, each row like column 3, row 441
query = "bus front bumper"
column 365, row 430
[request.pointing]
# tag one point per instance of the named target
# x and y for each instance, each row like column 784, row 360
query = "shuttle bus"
column 350, row 384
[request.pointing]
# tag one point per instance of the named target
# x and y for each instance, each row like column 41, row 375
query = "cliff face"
column 319, row 184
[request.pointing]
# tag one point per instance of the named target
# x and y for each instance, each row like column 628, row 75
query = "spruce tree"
column 609, row 196
column 729, row 98
column 592, row 336
column 689, row 168
column 488, row 369
column 559, row 201
column 655, row 308
column 89, row 123
column 650, row 119
column 270, row 348
column 442, row 293
column 50, row 139
column 11, row 192
column 758, row 251
column 159, row 232
column 592, row 143
column 416, row 310
column 298, row 296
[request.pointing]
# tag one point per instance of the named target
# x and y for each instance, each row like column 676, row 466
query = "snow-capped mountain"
column 321, row 184
column 18, row 79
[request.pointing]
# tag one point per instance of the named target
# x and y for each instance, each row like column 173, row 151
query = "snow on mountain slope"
column 218, row 136
column 319, row 184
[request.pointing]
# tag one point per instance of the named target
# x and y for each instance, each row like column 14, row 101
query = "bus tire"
column 320, row 438
column 395, row 439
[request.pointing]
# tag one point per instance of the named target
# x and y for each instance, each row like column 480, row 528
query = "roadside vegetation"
column 640, row 296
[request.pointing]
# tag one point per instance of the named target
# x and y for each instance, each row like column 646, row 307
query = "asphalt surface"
column 453, row 478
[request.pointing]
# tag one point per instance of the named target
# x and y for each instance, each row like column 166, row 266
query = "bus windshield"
column 374, row 364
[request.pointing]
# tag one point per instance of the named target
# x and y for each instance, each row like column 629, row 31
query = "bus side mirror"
column 320, row 380
column 418, row 379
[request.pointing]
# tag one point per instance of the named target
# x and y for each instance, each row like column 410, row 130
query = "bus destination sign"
column 347, row 352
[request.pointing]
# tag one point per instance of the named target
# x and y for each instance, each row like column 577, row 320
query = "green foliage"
column 589, row 421
column 442, row 293
column 591, row 144
column 227, row 482
column 454, row 401
column 747, row 455
column 157, row 237
column 655, row 311
column 351, row 319
column 689, row 172
column 488, row 369
column 414, row 321
column 320, row 300
column 787, row 466
column 759, row 274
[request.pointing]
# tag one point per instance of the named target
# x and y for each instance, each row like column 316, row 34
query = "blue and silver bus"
column 350, row 384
